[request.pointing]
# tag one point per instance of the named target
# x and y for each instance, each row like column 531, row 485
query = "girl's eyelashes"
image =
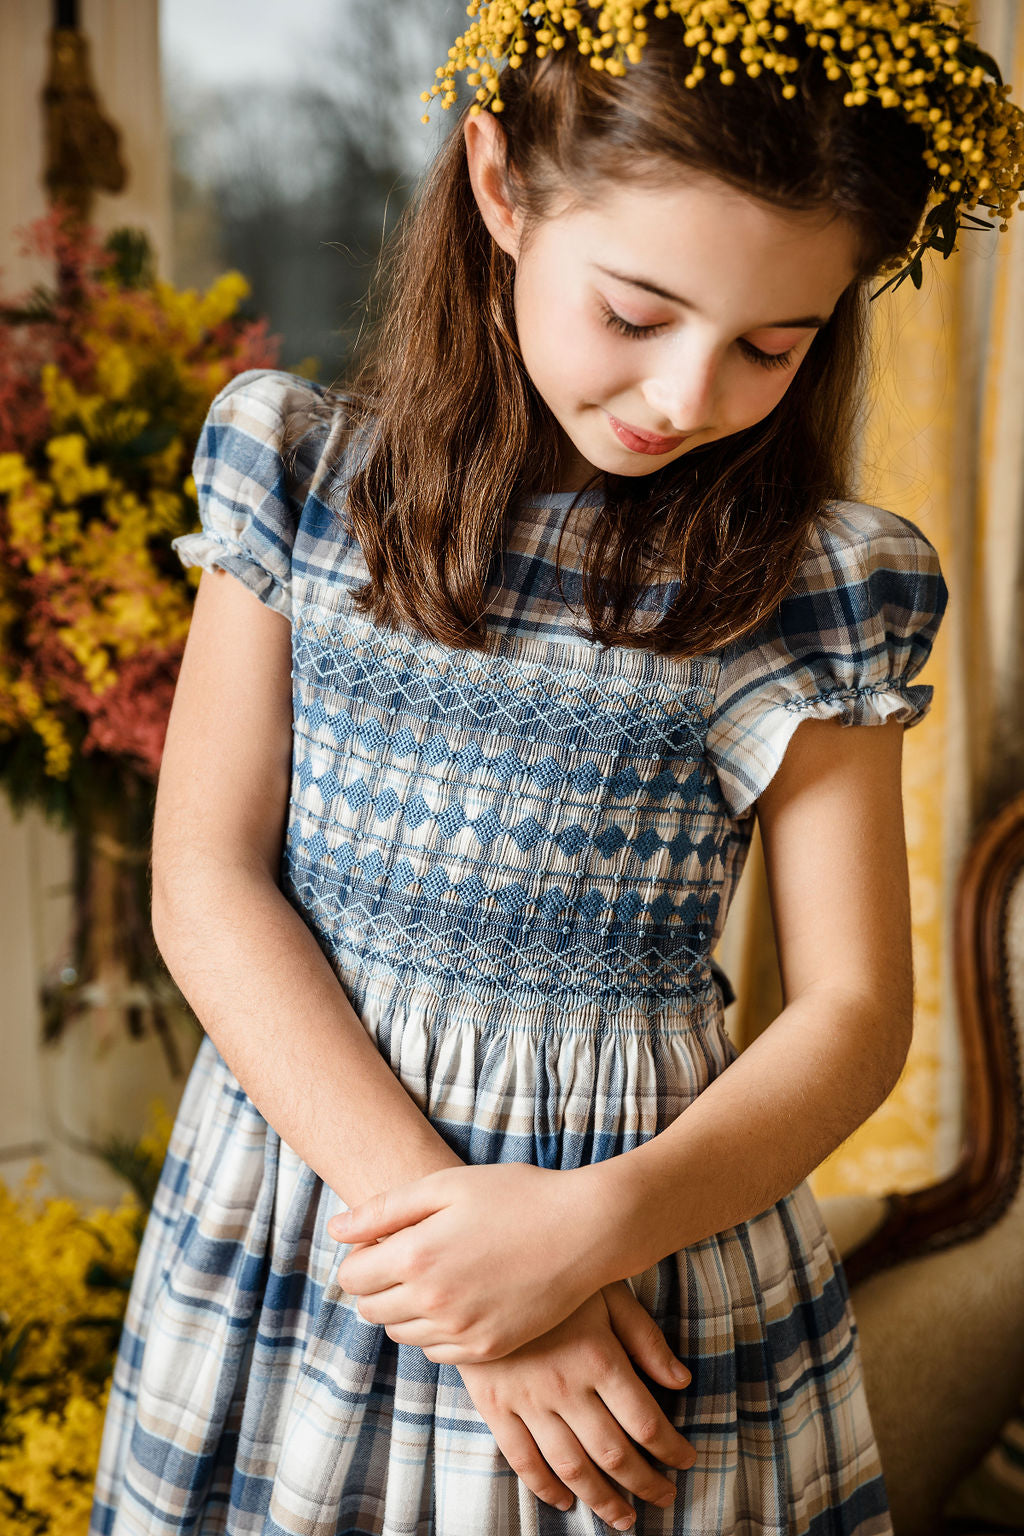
column 627, row 329
column 764, row 359
column 767, row 359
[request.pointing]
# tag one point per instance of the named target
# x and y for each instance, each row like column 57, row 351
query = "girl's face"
column 679, row 314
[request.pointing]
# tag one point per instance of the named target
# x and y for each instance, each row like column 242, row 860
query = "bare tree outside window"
column 296, row 142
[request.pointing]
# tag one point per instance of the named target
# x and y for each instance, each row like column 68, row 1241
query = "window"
column 296, row 142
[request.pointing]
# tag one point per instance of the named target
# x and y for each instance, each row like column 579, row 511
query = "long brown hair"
column 454, row 430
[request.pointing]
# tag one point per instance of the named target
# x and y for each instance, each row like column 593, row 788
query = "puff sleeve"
column 248, row 518
column 855, row 628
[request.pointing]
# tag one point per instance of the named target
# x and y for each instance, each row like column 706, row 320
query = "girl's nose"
column 683, row 395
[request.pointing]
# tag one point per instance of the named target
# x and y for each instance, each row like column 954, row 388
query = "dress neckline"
column 559, row 498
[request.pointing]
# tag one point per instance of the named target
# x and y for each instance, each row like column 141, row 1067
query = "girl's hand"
column 565, row 1408
column 476, row 1261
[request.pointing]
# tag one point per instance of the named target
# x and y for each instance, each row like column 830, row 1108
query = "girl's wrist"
column 604, row 1212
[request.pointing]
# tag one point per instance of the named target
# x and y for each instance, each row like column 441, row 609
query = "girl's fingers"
column 590, row 1418
column 425, row 1336
column 632, row 1406
column 519, row 1449
column 403, row 1324
column 388, row 1307
column 388, row 1211
column 609, row 1446
column 626, row 1396
column 578, row 1464
column 641, row 1337
column 372, row 1267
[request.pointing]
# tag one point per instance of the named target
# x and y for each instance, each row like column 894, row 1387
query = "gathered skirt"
column 249, row 1396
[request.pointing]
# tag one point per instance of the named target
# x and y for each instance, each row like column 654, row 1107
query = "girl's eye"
column 767, row 359
column 763, row 359
column 628, row 329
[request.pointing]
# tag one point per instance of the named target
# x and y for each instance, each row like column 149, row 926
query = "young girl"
column 529, row 623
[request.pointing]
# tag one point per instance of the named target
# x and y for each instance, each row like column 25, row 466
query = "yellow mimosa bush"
column 64, row 1280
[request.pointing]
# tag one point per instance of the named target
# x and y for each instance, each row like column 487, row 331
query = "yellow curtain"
column 944, row 446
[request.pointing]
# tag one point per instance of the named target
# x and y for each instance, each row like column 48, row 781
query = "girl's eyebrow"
column 812, row 322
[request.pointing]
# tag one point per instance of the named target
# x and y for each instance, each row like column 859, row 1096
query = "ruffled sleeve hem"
column 210, row 551
column 745, row 776
column 870, row 705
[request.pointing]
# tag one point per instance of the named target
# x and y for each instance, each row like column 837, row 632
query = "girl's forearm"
column 266, row 995
column 815, row 1074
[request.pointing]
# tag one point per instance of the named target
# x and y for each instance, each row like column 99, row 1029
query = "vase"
column 117, row 1032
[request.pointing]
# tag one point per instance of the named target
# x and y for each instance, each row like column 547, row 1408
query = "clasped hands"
column 470, row 1263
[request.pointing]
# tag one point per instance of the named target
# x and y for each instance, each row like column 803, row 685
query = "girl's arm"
column 835, row 853
column 249, row 966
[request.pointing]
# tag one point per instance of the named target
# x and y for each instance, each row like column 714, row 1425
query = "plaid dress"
column 518, row 864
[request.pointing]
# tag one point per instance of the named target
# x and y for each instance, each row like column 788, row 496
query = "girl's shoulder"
column 266, row 467
column 855, row 628
column 267, row 413
column 858, row 536
column 863, row 566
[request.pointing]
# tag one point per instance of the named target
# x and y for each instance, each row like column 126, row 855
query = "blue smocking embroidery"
column 502, row 825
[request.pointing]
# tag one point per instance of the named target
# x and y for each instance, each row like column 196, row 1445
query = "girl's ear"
column 485, row 156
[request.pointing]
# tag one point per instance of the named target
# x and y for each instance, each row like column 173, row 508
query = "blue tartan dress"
column 518, row 864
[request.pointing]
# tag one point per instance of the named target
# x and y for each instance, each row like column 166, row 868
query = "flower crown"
column 912, row 56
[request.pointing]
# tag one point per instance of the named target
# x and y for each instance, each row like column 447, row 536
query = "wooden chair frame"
column 987, row 1176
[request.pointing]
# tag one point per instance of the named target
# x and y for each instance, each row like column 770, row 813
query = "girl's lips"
column 643, row 442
